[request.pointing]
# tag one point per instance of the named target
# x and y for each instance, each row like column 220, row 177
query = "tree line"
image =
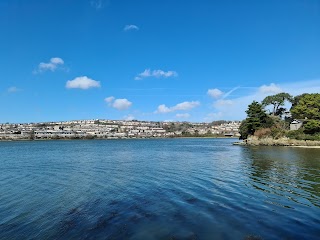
column 304, row 107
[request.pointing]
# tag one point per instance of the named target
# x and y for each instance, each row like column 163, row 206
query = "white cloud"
column 213, row 116
column 155, row 73
column 109, row 99
column 56, row 61
column 215, row 93
column 163, row 109
column 186, row 105
column 223, row 102
column 131, row 27
column 52, row 65
column 182, row 115
column 271, row 89
column 129, row 117
column 160, row 73
column 13, row 89
column 83, row 82
column 120, row 103
column 179, row 107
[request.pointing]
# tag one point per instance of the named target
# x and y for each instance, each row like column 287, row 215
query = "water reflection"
column 157, row 189
column 289, row 172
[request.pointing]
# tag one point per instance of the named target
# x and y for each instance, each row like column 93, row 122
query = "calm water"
column 157, row 189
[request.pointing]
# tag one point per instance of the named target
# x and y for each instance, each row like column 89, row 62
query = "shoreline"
column 304, row 147
column 282, row 142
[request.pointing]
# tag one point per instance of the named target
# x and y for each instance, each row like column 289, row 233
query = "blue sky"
column 177, row 60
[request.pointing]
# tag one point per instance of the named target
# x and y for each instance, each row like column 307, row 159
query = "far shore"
column 68, row 139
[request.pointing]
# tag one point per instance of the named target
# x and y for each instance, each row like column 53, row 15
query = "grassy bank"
column 254, row 141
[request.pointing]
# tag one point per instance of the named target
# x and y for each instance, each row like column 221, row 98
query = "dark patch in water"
column 134, row 219
column 73, row 211
column 102, row 223
column 190, row 236
column 67, row 226
column 134, row 207
column 253, row 237
column 112, row 215
column 192, row 200
column 114, row 202
column 72, row 217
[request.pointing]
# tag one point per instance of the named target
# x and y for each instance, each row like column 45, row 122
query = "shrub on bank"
column 273, row 132
column 300, row 135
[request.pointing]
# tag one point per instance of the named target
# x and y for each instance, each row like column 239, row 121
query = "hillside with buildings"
column 115, row 129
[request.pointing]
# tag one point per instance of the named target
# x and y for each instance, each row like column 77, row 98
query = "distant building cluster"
column 114, row 129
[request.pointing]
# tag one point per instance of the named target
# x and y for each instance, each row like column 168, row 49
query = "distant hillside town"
column 116, row 129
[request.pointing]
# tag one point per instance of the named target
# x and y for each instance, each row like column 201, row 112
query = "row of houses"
column 97, row 128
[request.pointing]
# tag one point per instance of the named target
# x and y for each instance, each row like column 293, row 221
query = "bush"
column 300, row 135
column 295, row 134
column 312, row 127
column 262, row 133
column 277, row 133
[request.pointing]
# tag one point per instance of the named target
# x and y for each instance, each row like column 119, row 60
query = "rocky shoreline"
column 285, row 142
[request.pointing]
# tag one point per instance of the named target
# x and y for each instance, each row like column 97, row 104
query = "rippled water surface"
column 157, row 189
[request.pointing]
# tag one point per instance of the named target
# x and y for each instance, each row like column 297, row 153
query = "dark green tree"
column 277, row 101
column 306, row 106
column 312, row 127
column 256, row 119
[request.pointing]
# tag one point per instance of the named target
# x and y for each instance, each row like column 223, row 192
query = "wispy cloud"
column 223, row 102
column 83, row 82
column 52, row 65
column 130, row 28
column 129, row 117
column 183, row 115
column 213, row 116
column 13, row 89
column 120, row 103
column 109, row 99
column 179, row 107
column 147, row 73
column 229, row 92
column 97, row 4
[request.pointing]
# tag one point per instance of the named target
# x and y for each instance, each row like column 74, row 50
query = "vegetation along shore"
column 297, row 126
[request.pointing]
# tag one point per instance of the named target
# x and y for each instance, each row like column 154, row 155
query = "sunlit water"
column 157, row 189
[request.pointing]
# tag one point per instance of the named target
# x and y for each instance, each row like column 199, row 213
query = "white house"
column 295, row 125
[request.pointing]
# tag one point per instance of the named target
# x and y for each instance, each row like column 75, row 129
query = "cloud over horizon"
column 179, row 107
column 129, row 117
column 183, row 115
column 147, row 73
column 83, row 83
column 119, row 104
column 271, row 89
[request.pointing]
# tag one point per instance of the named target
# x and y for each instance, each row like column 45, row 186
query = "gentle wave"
column 157, row 189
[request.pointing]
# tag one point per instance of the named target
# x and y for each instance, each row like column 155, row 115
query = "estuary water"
column 158, row 189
